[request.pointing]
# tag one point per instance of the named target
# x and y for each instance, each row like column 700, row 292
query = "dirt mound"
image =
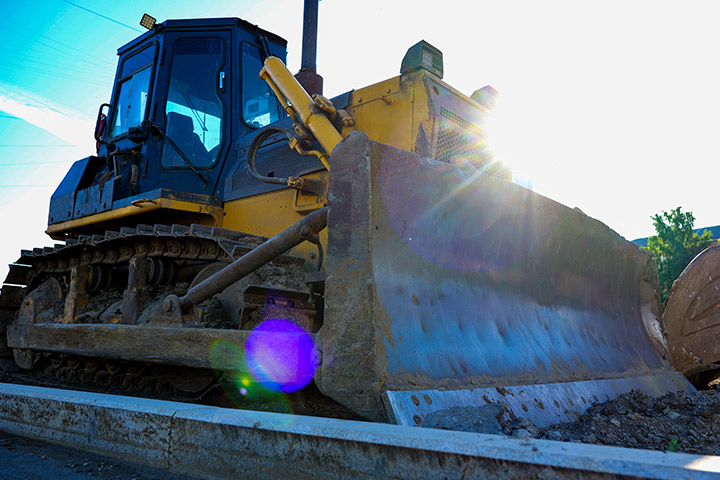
column 676, row 422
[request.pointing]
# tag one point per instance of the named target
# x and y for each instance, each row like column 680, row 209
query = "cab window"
column 194, row 109
column 134, row 85
column 260, row 107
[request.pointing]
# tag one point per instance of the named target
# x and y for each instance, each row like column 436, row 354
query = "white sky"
column 605, row 106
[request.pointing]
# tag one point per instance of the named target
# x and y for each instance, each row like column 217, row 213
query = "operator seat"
column 180, row 129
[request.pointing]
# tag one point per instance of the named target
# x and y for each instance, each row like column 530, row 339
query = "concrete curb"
column 224, row 443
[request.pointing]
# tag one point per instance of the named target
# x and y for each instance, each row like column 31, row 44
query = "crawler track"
column 127, row 275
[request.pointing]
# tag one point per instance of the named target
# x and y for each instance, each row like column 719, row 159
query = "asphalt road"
column 26, row 459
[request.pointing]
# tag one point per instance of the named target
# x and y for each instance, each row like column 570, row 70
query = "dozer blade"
column 446, row 288
column 692, row 315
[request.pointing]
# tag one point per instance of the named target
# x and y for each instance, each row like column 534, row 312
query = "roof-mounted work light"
column 147, row 21
column 425, row 56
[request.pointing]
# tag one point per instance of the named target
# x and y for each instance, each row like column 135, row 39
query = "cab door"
column 192, row 109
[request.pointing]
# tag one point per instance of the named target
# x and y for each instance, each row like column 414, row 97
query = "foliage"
column 672, row 445
column 674, row 245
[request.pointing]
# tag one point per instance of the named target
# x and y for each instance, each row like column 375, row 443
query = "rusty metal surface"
column 445, row 279
column 149, row 338
column 192, row 347
column 295, row 234
column 692, row 314
column 221, row 443
column 551, row 403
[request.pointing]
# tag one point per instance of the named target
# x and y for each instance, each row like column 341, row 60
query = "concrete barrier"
column 224, row 443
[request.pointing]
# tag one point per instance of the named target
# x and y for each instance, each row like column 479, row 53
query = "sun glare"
column 510, row 142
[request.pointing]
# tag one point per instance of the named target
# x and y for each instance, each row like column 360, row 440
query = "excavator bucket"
column 692, row 315
column 448, row 287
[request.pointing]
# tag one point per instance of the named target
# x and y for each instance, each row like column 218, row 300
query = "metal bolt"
column 167, row 305
column 316, row 357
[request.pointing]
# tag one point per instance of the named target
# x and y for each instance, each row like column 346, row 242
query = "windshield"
column 134, row 88
column 194, row 110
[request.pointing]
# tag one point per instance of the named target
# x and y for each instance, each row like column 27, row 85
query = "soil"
column 675, row 422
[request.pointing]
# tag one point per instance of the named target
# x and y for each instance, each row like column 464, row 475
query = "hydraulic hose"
column 306, row 184
column 255, row 145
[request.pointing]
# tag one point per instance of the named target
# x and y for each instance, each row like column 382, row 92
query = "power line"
column 35, row 145
column 26, row 186
column 34, row 163
column 102, row 16
column 53, row 47
column 64, row 45
column 79, row 79
column 65, row 65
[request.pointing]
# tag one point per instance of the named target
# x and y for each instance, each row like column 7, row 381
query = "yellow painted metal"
column 282, row 81
column 308, row 202
column 389, row 123
column 415, row 112
column 269, row 214
column 395, row 111
column 209, row 214
column 419, row 113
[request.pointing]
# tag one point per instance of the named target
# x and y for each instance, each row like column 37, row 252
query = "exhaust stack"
column 307, row 76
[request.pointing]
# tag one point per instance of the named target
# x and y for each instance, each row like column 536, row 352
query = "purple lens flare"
column 279, row 356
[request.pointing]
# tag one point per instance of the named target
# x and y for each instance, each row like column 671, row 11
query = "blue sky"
column 605, row 106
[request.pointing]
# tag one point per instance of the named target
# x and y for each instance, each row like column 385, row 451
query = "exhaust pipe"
column 307, row 76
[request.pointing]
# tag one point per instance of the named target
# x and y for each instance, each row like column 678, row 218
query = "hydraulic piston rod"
column 297, row 233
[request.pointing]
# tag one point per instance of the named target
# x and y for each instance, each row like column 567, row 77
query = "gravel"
column 675, row 422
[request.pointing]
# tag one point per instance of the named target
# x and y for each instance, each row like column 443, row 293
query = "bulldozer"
column 236, row 224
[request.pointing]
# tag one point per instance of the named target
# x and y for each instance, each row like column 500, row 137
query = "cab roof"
column 204, row 24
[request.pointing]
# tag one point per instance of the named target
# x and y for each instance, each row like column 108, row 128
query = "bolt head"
column 167, row 305
column 316, row 357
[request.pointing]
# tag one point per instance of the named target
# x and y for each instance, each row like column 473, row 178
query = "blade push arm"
column 309, row 113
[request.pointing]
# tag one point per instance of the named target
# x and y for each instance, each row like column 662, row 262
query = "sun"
column 513, row 141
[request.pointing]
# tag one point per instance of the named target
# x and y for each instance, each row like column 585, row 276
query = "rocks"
column 521, row 433
column 521, row 428
column 676, row 422
column 485, row 419
column 492, row 419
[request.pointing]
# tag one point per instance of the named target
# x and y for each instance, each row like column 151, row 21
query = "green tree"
column 674, row 245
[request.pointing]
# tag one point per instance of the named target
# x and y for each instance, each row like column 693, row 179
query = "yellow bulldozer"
column 235, row 224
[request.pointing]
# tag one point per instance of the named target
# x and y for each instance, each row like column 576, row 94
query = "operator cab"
column 173, row 115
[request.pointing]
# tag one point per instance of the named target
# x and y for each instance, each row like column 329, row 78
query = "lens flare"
column 460, row 219
column 278, row 354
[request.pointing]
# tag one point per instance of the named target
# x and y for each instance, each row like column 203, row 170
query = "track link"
column 119, row 279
